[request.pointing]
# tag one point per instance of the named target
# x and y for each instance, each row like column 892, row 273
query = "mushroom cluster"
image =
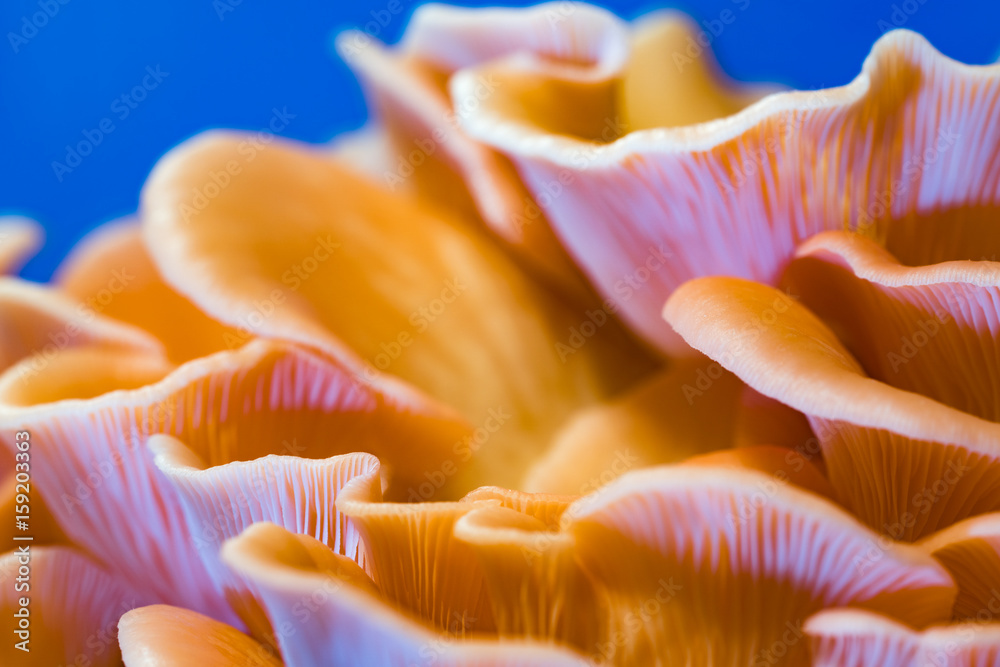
column 579, row 353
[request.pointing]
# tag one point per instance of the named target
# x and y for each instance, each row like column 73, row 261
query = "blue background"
column 231, row 68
